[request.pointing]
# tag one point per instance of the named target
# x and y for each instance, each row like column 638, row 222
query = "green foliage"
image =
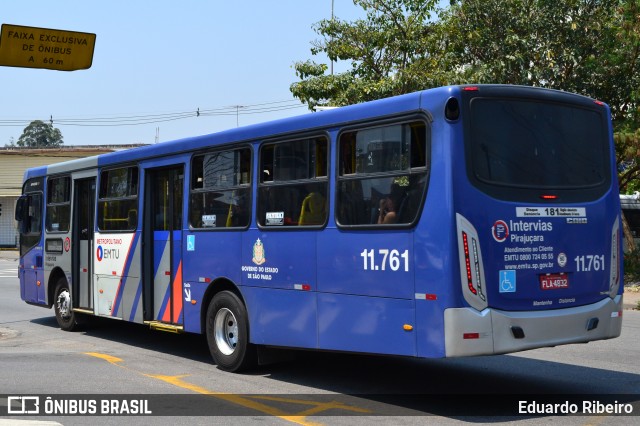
column 632, row 266
column 39, row 134
column 580, row 46
column 388, row 51
column 628, row 155
column 583, row 46
column 590, row 47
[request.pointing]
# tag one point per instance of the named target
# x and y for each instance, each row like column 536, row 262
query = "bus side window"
column 294, row 186
column 220, row 194
column 118, row 199
column 382, row 175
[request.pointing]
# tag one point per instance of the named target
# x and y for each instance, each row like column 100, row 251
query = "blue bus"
column 457, row 221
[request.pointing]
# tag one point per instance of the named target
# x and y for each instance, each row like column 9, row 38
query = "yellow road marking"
column 315, row 407
column 235, row 399
column 110, row 359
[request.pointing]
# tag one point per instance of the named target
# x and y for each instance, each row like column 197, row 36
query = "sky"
column 164, row 59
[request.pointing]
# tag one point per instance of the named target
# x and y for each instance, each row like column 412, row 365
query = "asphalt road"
column 174, row 374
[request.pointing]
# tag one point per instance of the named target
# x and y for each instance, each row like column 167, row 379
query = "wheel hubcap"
column 226, row 331
column 64, row 304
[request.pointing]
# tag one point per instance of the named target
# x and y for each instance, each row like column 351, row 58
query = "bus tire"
column 227, row 329
column 68, row 320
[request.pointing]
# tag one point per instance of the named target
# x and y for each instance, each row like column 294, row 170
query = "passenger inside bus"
column 313, row 210
column 388, row 211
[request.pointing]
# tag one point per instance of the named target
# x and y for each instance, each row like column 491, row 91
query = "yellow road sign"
column 31, row 47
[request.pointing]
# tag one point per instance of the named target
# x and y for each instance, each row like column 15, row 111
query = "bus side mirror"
column 21, row 208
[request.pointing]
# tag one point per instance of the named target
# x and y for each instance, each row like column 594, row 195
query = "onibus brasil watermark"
column 37, row 405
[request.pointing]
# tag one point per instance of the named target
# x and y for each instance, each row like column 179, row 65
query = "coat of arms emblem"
column 258, row 253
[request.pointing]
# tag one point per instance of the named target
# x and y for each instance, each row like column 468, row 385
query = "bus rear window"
column 542, row 146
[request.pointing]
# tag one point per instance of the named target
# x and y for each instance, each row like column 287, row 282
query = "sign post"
column 30, row 47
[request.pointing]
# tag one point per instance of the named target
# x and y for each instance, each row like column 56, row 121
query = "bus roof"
column 279, row 128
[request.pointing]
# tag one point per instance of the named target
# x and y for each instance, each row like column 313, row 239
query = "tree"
column 11, row 144
column 388, row 51
column 583, row 46
column 39, row 134
column 591, row 47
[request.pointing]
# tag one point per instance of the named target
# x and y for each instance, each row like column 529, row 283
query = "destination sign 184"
column 31, row 47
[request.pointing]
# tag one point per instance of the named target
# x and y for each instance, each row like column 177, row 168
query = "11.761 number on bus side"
column 385, row 259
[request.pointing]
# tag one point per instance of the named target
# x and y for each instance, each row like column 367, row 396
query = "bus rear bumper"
column 492, row 331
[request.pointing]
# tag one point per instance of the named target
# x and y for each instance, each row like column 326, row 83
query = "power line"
column 142, row 119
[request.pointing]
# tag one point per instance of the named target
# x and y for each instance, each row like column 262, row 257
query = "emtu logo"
column 99, row 253
column 500, row 231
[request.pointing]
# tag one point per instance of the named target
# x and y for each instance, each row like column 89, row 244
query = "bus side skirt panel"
column 366, row 324
column 282, row 317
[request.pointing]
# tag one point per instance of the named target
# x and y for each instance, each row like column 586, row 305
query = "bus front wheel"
column 228, row 333
column 67, row 319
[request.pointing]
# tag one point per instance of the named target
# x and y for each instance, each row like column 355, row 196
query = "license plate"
column 554, row 281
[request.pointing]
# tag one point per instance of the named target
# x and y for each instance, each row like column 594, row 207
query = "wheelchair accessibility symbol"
column 191, row 242
column 507, row 281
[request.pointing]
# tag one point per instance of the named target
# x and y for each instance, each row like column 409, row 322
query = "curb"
column 9, row 254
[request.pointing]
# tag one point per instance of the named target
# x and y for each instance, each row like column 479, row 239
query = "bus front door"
column 163, row 248
column 82, row 237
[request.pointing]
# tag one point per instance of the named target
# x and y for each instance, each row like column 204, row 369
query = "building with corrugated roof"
column 15, row 160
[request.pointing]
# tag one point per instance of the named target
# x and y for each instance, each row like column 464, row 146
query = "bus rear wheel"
column 68, row 320
column 227, row 331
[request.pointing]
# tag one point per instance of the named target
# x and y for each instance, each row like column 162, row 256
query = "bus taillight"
column 468, row 263
column 614, row 277
column 471, row 269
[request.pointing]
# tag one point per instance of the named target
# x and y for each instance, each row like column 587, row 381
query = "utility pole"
column 237, row 107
